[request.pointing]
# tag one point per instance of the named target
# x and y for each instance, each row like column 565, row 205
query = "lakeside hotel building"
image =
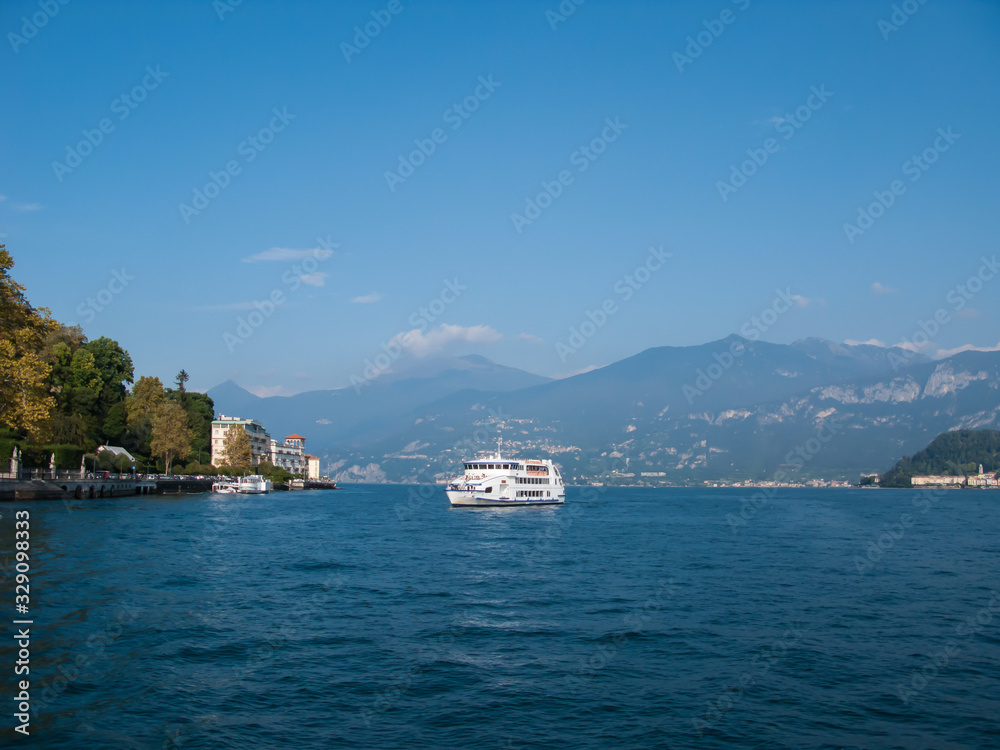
column 289, row 455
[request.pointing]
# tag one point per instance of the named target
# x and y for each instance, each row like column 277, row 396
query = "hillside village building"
column 290, row 455
column 972, row 480
column 260, row 441
column 312, row 463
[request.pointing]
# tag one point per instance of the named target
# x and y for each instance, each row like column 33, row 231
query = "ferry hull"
column 461, row 498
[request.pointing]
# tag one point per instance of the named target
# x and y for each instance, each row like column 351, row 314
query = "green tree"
column 181, row 379
column 141, row 405
column 25, row 402
column 171, row 434
column 236, row 447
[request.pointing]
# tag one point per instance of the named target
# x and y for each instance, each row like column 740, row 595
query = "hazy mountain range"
column 729, row 409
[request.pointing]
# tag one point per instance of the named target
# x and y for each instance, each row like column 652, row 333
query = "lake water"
column 379, row 617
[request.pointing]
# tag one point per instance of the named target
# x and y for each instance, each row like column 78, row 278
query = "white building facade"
column 289, row 455
column 260, row 441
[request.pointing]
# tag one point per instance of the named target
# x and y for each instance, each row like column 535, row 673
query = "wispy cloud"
column 23, row 207
column 438, row 339
column 530, row 338
column 3, row 198
column 910, row 346
column 801, row 301
column 880, row 288
column 317, row 278
column 367, row 299
column 266, row 391
column 943, row 353
column 869, row 342
column 287, row 254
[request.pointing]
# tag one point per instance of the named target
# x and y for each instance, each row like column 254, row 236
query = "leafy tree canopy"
column 951, row 453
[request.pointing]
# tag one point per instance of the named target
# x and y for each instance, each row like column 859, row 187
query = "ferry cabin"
column 522, row 480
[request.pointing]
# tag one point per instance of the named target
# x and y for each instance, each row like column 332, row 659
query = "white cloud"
column 3, row 198
column 367, row 299
column 943, row 353
column 530, row 338
column 318, row 278
column 27, row 206
column 869, row 342
column 801, row 301
column 880, row 288
column 910, row 346
column 286, row 253
column 266, row 391
column 444, row 336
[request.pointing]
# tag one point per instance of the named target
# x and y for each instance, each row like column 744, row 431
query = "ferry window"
column 488, row 490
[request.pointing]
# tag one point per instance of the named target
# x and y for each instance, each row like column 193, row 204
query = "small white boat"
column 496, row 482
column 226, row 486
column 254, row 484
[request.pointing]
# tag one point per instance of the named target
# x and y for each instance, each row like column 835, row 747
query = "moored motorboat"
column 225, row 486
column 254, row 484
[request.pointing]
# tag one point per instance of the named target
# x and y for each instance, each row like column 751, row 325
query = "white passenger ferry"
column 495, row 481
column 254, row 484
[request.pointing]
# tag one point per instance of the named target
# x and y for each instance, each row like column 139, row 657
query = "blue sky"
column 832, row 104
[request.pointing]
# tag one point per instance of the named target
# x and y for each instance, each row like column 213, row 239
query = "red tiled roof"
column 295, row 437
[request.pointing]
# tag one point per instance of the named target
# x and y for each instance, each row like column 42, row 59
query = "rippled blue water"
column 624, row 619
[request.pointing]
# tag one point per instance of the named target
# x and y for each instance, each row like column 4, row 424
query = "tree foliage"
column 57, row 386
column 236, row 447
column 25, row 402
column 171, row 434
